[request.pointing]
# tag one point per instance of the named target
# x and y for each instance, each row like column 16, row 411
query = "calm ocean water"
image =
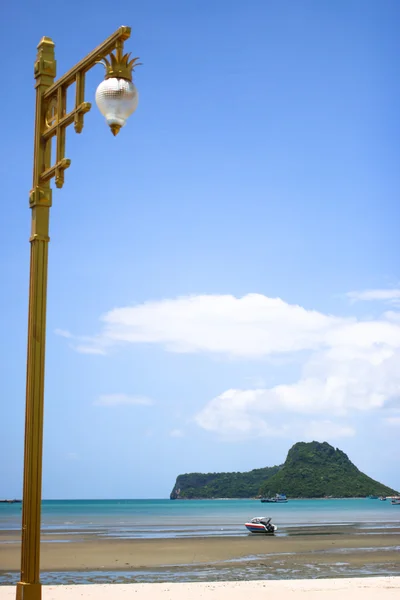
column 166, row 518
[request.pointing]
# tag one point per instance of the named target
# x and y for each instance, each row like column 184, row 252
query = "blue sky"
column 224, row 274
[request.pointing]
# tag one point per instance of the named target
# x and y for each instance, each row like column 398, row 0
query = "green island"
column 311, row 470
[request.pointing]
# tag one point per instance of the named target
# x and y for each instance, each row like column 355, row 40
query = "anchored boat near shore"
column 278, row 498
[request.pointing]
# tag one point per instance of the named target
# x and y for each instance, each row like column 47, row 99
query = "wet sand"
column 89, row 552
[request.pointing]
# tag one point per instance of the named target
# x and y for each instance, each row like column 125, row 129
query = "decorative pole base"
column 29, row 591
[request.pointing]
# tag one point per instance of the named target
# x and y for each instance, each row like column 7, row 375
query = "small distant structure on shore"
column 10, row 501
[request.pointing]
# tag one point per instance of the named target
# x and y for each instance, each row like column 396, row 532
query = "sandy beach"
column 269, row 557
column 386, row 588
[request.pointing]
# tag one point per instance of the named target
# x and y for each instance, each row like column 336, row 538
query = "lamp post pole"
column 117, row 99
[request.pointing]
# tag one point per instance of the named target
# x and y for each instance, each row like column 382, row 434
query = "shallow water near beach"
column 174, row 518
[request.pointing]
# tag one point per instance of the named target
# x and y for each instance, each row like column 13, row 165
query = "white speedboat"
column 261, row 525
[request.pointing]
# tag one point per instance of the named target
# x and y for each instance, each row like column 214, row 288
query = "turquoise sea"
column 175, row 518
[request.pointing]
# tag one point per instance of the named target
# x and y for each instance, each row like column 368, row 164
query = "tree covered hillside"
column 221, row 485
column 314, row 470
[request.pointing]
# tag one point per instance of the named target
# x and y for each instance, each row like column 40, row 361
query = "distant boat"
column 277, row 499
column 396, row 501
column 382, row 498
column 10, row 501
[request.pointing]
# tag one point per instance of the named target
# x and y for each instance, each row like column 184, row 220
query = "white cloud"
column 253, row 326
column 383, row 295
column 90, row 349
column 122, row 400
column 63, row 333
column 395, row 421
column 243, row 414
column 336, row 382
column 347, row 365
column 269, row 413
column 393, row 316
column 177, row 433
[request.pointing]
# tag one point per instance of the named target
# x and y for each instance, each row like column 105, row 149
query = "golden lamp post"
column 116, row 98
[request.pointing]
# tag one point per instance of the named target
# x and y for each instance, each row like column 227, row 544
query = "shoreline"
column 258, row 498
column 386, row 588
column 70, row 532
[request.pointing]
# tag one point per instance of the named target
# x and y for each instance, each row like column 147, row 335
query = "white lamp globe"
column 116, row 99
